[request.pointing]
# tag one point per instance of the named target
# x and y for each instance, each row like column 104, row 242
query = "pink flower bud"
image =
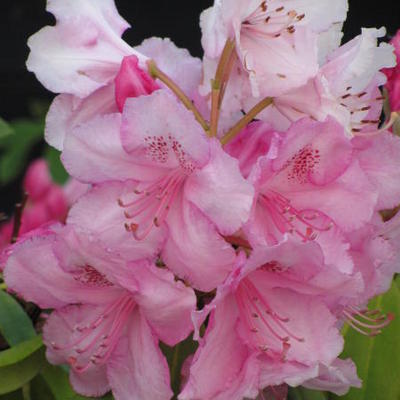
column 132, row 81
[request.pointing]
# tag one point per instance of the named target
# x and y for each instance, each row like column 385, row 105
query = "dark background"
column 165, row 18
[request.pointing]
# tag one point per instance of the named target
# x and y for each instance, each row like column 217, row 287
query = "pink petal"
column 194, row 250
column 223, row 367
column 83, row 51
column 220, row 183
column 59, row 333
column 353, row 187
column 166, row 304
column 275, row 372
column 327, row 139
column 308, row 319
column 137, row 369
column 176, row 62
column 98, row 215
column 67, row 112
column 93, row 152
column 256, row 140
column 337, row 377
column 321, row 14
column 45, row 282
column 278, row 65
column 379, row 157
column 357, row 62
column 171, row 138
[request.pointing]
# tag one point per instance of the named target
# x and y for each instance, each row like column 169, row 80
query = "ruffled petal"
column 166, row 304
column 279, row 64
column 308, row 149
column 223, row 367
column 98, row 215
column 220, row 183
column 82, row 52
column 320, row 15
column 337, row 377
column 93, row 152
column 67, row 111
column 313, row 334
column 44, row 281
column 176, row 62
column 358, row 62
column 194, row 250
column 60, row 335
column 171, row 138
column 137, row 369
column 379, row 157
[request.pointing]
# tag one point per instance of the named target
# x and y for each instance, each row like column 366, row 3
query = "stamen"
column 261, row 319
column 98, row 338
column 152, row 204
column 287, row 219
column 364, row 322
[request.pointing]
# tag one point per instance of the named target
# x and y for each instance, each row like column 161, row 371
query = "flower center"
column 93, row 343
column 264, row 324
column 89, row 276
column 271, row 22
column 151, row 204
column 284, row 218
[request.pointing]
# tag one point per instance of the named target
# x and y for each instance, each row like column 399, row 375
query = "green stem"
column 26, row 391
column 218, row 84
column 246, row 120
column 155, row 72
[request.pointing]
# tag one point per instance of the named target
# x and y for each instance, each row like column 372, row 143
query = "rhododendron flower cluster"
column 236, row 198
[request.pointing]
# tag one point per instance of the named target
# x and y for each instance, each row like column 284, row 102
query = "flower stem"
column 246, row 119
column 218, row 84
column 155, row 72
column 19, row 209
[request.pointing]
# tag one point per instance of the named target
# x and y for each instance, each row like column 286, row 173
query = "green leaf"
column 176, row 356
column 20, row 352
column 57, row 170
column 15, row 148
column 15, row 325
column 17, row 395
column 300, row 393
column 40, row 390
column 20, row 364
column 58, row 382
column 378, row 358
column 5, row 129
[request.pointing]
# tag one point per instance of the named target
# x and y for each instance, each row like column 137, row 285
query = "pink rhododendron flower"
column 287, row 168
column 346, row 87
column 68, row 111
column 276, row 41
column 179, row 175
column 109, row 313
column 269, row 323
column 393, row 75
column 95, row 55
column 87, row 38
